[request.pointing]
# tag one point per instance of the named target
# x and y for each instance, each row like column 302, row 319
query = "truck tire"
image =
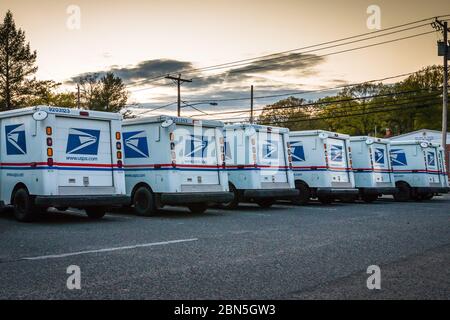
column 95, row 212
column 144, row 202
column 304, row 196
column 403, row 193
column 428, row 196
column 369, row 198
column 198, row 208
column 325, row 199
column 265, row 203
column 233, row 204
column 24, row 208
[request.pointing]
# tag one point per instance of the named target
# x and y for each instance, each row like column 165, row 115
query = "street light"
column 199, row 103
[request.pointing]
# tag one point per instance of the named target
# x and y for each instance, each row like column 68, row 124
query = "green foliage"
column 106, row 93
column 409, row 105
column 17, row 64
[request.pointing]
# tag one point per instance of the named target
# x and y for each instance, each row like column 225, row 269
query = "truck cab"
column 372, row 167
column 174, row 161
column 418, row 167
column 322, row 164
column 258, row 164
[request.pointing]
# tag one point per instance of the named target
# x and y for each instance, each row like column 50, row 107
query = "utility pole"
column 443, row 26
column 251, row 104
column 179, row 81
column 78, row 96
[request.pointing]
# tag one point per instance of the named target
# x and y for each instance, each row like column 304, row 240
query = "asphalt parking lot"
column 285, row 252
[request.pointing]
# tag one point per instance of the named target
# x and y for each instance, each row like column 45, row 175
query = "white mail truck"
column 372, row 167
column 258, row 164
column 418, row 170
column 60, row 157
column 174, row 161
column 322, row 164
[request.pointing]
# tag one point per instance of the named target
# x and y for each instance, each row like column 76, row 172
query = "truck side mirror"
column 167, row 123
column 40, row 115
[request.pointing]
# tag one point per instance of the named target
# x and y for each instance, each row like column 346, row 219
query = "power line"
column 381, row 108
column 349, row 115
column 427, row 98
column 306, row 92
column 332, row 53
column 190, row 70
column 317, row 103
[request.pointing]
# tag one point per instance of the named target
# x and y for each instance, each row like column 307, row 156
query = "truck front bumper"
column 183, row 198
column 378, row 190
column 337, row 191
column 270, row 193
column 432, row 189
column 82, row 201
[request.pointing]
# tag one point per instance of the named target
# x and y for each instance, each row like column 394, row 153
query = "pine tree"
column 17, row 63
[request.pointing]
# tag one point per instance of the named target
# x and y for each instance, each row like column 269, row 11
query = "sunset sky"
column 139, row 40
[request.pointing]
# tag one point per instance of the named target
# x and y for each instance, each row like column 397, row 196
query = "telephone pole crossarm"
column 179, row 81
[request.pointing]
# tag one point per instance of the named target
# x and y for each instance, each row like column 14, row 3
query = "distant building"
column 428, row 135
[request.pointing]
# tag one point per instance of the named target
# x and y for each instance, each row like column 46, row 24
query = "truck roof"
column 256, row 127
column 176, row 120
column 375, row 139
column 305, row 133
column 69, row 112
column 414, row 142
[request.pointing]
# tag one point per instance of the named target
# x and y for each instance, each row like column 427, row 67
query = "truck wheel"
column 233, row 204
column 24, row 209
column 325, row 199
column 369, row 198
column 144, row 202
column 304, row 196
column 428, row 196
column 403, row 192
column 265, row 203
column 198, row 208
column 95, row 212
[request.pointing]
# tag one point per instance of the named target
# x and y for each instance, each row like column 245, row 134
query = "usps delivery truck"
column 174, row 161
column 372, row 167
column 60, row 157
column 418, row 167
column 322, row 164
column 258, row 164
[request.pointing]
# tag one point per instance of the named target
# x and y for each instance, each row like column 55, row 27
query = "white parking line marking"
column 63, row 255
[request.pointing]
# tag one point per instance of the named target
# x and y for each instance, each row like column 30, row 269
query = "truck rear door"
column 432, row 162
column 271, row 157
column 196, row 156
column 338, row 165
column 380, row 160
column 83, row 152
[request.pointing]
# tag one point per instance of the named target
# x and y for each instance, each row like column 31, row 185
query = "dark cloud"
column 143, row 70
column 142, row 73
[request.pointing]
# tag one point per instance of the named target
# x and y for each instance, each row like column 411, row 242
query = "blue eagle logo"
column 379, row 156
column 196, row 146
column 297, row 151
column 336, row 153
column 135, row 144
column 83, row 141
column 270, row 150
column 398, row 157
column 431, row 159
column 15, row 139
